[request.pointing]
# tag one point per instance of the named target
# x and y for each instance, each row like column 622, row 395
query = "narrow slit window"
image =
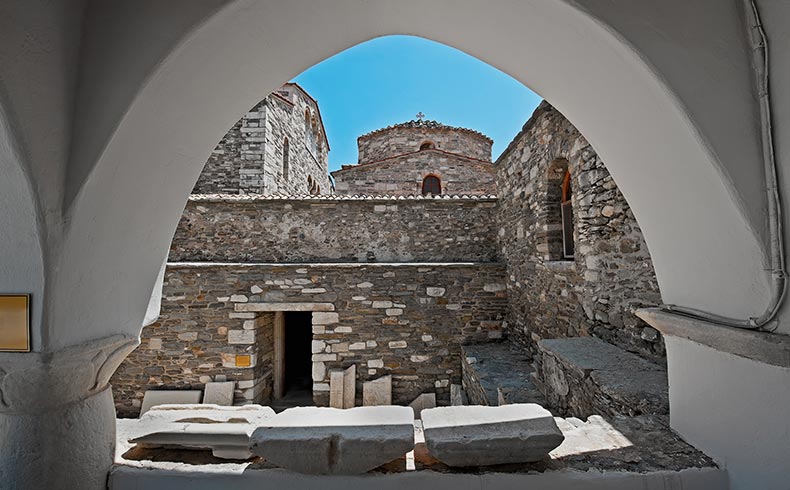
column 286, row 151
column 566, row 207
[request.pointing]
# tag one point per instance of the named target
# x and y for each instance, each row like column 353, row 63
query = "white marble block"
column 456, row 395
column 153, row 398
column 223, row 430
column 219, row 393
column 425, row 400
column 317, row 440
column 350, row 386
column 336, row 388
column 480, row 436
column 377, row 391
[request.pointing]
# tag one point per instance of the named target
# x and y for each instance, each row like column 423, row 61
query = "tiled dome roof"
column 425, row 124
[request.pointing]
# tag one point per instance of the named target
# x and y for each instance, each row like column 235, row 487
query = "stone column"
column 57, row 419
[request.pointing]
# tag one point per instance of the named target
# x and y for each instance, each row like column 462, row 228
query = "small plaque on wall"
column 14, row 323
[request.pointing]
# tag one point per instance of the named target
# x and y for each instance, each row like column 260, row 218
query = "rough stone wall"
column 249, row 159
column 408, row 137
column 403, row 175
column 611, row 273
column 242, row 229
column 195, row 340
column 404, row 320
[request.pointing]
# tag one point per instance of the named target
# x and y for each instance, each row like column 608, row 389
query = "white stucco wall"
column 735, row 408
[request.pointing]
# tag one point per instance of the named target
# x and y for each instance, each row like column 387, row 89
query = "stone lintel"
column 765, row 347
column 301, row 306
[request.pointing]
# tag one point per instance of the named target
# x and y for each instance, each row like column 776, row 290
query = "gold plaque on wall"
column 14, row 323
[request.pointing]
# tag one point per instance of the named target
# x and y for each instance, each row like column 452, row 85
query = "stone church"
column 424, row 269
column 419, row 157
column 278, row 147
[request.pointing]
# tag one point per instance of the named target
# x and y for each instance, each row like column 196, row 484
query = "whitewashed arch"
column 674, row 168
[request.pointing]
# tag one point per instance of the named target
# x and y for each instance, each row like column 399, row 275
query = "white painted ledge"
column 768, row 348
column 129, row 478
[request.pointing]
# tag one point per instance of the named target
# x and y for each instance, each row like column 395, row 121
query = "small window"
column 286, row 151
column 567, row 217
column 312, row 186
column 428, row 145
column 431, row 185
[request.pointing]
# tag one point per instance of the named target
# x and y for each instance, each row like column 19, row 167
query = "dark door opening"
column 298, row 364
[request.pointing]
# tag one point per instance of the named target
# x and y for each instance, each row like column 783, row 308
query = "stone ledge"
column 768, row 348
column 585, row 376
column 560, row 265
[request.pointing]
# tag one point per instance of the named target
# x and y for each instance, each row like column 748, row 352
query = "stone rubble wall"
column 408, row 137
column 404, row 320
column 611, row 274
column 216, row 229
column 403, row 175
column 249, row 158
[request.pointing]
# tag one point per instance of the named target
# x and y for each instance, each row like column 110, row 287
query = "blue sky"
column 390, row 79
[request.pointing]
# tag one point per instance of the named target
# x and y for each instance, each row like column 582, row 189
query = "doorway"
column 293, row 382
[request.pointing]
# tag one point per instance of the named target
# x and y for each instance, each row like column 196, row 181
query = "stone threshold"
column 764, row 347
column 319, row 265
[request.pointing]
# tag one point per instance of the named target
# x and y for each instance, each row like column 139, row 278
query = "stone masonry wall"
column 250, row 157
column 404, row 320
column 409, row 136
column 244, row 229
column 403, row 175
column 611, row 273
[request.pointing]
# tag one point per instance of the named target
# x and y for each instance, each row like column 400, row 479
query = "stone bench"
column 584, row 376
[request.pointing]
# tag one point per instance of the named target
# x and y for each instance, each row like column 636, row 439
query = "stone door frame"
column 279, row 310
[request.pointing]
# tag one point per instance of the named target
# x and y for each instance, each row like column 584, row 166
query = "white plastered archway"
column 128, row 202
column 666, row 100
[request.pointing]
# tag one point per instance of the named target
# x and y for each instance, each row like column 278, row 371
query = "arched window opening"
column 556, row 218
column 566, row 207
column 312, row 186
column 428, row 145
column 431, row 185
column 286, row 156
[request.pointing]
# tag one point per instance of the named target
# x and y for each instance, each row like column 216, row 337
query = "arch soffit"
column 635, row 154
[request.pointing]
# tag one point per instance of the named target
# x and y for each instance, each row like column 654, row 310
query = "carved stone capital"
column 44, row 380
